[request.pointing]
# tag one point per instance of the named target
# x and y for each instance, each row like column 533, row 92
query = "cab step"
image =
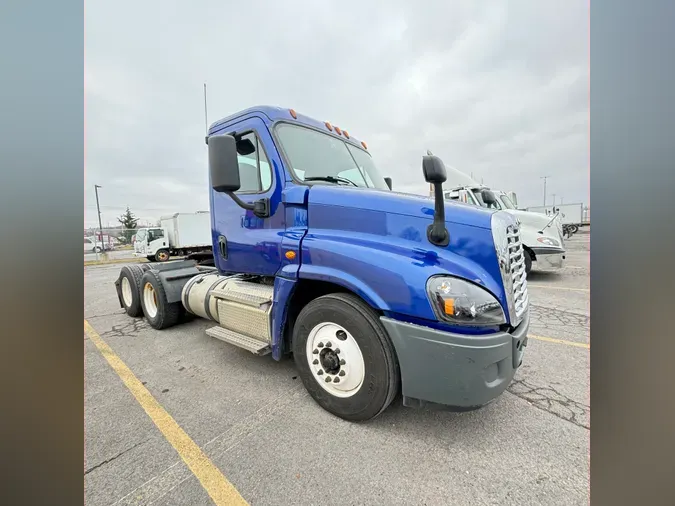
column 255, row 346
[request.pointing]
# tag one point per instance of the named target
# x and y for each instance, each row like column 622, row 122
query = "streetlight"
column 98, row 208
column 544, row 178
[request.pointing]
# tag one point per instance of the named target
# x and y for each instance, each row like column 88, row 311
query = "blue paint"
column 283, row 290
column 373, row 242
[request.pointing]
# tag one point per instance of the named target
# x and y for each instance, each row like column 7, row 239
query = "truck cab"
column 542, row 236
column 374, row 293
column 149, row 241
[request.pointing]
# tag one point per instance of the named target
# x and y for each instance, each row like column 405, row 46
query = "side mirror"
column 434, row 170
column 434, row 173
column 223, row 163
column 388, row 181
column 488, row 197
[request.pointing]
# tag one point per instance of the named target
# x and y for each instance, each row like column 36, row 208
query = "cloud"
column 496, row 89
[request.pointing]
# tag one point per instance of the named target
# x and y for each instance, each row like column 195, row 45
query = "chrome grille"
column 518, row 276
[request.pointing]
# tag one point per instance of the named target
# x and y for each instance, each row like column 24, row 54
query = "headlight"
column 548, row 241
column 463, row 303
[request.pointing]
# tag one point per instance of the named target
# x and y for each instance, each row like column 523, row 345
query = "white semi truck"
column 179, row 234
column 541, row 235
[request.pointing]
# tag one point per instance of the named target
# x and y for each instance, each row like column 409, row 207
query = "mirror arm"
column 261, row 207
column 436, row 232
column 241, row 203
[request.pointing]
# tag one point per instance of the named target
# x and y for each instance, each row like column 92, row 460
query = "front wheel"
column 162, row 255
column 344, row 357
column 528, row 261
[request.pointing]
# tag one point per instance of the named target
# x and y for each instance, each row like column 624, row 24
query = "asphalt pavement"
column 253, row 419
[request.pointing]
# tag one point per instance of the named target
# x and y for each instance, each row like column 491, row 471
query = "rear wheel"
column 344, row 357
column 130, row 288
column 158, row 311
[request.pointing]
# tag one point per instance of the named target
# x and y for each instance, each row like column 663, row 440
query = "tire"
column 97, row 249
column 374, row 371
column 130, row 285
column 159, row 313
column 528, row 261
column 162, row 255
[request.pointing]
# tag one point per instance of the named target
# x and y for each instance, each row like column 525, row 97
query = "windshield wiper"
column 332, row 179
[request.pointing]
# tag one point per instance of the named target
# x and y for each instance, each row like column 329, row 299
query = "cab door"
column 242, row 241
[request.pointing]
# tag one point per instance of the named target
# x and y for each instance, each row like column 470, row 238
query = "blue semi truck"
column 371, row 291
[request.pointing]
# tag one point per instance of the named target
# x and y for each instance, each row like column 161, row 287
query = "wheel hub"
column 329, row 360
column 335, row 359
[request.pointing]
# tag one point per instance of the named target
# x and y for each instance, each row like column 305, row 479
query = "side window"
column 87, row 241
column 156, row 233
column 255, row 173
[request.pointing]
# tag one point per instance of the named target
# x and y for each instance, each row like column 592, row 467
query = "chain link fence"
column 110, row 243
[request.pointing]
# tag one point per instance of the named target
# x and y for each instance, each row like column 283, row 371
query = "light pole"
column 98, row 209
column 554, row 199
column 544, row 178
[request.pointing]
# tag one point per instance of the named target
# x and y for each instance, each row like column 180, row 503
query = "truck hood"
column 531, row 219
column 391, row 202
column 532, row 223
column 375, row 243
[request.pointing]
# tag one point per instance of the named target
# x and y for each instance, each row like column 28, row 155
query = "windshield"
column 506, row 201
column 312, row 154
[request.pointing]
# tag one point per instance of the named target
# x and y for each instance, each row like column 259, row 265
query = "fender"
column 396, row 282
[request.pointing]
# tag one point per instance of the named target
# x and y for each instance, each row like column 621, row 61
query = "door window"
column 255, row 173
column 155, row 233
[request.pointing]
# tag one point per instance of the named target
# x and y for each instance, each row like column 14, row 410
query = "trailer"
column 178, row 234
column 373, row 293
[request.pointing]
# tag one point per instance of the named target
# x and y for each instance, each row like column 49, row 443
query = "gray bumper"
column 455, row 369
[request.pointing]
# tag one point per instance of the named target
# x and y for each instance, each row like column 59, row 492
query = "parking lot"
column 253, row 419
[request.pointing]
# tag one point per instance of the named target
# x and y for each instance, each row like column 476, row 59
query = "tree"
column 129, row 222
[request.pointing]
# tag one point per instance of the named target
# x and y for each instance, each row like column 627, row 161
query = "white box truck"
column 179, row 234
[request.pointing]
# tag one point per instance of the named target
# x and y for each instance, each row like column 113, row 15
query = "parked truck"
column 179, row 234
column 542, row 236
column 372, row 292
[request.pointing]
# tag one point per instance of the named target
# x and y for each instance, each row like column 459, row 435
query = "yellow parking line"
column 549, row 287
column 559, row 341
column 216, row 485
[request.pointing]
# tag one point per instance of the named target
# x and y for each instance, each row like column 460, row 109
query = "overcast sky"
column 498, row 89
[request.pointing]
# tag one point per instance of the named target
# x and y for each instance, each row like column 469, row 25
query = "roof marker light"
column 346, row 133
column 338, row 131
column 329, row 126
column 363, row 143
column 293, row 113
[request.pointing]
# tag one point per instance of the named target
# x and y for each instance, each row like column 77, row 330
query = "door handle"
column 222, row 246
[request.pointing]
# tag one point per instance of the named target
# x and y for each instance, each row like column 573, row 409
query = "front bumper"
column 548, row 258
column 452, row 369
